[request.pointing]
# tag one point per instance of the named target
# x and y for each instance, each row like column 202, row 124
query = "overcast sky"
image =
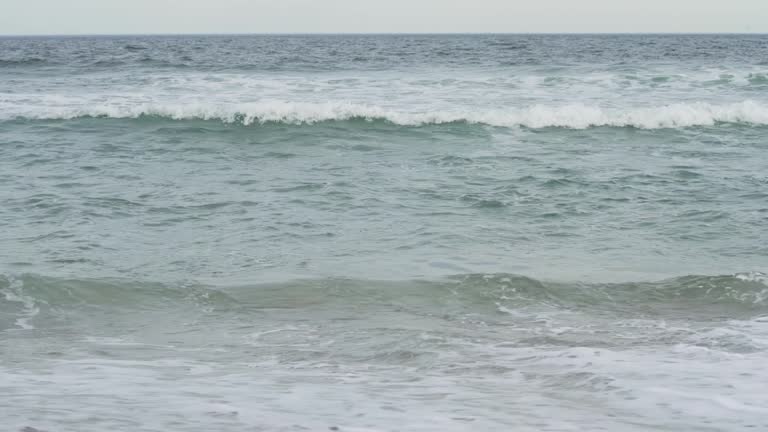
column 387, row 16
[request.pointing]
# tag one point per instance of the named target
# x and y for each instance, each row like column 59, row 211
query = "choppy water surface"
column 384, row 233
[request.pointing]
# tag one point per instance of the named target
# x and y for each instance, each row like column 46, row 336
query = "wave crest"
column 26, row 296
column 577, row 116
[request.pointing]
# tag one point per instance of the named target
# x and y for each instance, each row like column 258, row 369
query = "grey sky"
column 341, row 16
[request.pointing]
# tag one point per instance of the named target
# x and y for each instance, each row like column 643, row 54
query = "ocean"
column 384, row 233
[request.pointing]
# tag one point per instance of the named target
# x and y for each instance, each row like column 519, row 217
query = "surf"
column 576, row 116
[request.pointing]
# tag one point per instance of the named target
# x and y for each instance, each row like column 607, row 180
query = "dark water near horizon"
column 384, row 232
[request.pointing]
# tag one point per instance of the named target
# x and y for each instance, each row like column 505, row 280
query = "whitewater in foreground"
column 383, row 233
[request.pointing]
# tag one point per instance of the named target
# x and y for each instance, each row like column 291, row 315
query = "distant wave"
column 577, row 116
column 31, row 61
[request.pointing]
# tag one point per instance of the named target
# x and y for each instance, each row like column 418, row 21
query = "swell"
column 27, row 295
column 21, row 62
column 576, row 116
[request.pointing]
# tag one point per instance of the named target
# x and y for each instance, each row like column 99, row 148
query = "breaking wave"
column 578, row 116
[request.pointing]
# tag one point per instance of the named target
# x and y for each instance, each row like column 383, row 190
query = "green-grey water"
column 375, row 233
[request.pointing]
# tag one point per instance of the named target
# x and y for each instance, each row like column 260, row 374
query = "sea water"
column 384, row 233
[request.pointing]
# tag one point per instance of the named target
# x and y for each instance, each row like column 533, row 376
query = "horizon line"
column 32, row 35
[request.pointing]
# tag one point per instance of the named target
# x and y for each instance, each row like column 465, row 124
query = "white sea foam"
column 575, row 116
column 14, row 293
column 753, row 277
